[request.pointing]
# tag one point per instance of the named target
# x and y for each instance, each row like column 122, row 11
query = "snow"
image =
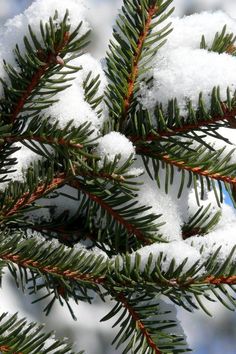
column 25, row 157
column 222, row 235
column 113, row 144
column 182, row 70
column 72, row 102
column 175, row 250
column 161, row 204
column 187, row 31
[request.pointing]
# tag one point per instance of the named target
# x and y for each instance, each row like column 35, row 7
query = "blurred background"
column 206, row 335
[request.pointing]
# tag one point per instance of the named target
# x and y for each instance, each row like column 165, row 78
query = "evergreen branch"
column 68, row 265
column 228, row 116
column 135, row 44
column 170, row 123
column 60, row 271
column 145, row 327
column 19, row 337
column 40, row 69
column 201, row 222
column 117, row 216
column 29, row 197
column 178, row 282
column 19, row 195
column 198, row 170
column 223, row 43
column 50, row 140
column 91, row 87
column 49, row 59
column 139, row 324
column 198, row 161
column 60, row 262
column 112, row 203
column 161, row 282
column 151, row 12
column 37, row 266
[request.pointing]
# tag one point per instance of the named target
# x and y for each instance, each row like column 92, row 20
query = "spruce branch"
column 139, row 324
column 122, row 209
column 201, row 223
column 40, row 69
column 108, row 209
column 144, row 326
column 51, row 270
column 49, row 140
column 170, row 123
column 20, row 337
column 227, row 119
column 197, row 161
column 14, row 204
column 135, row 35
column 151, row 12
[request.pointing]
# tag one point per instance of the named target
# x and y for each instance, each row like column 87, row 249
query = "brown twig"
column 231, row 280
column 53, row 270
column 43, row 139
column 7, row 349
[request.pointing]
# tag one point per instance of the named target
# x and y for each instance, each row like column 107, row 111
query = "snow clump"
column 182, row 70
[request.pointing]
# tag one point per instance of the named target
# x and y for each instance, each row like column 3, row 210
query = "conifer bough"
column 112, row 178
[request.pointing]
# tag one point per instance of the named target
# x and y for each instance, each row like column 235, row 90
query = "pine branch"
column 119, row 207
column 40, row 69
column 202, row 165
column 201, row 222
column 29, row 197
column 135, row 35
column 19, row 337
column 139, row 324
column 144, row 327
column 169, row 123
